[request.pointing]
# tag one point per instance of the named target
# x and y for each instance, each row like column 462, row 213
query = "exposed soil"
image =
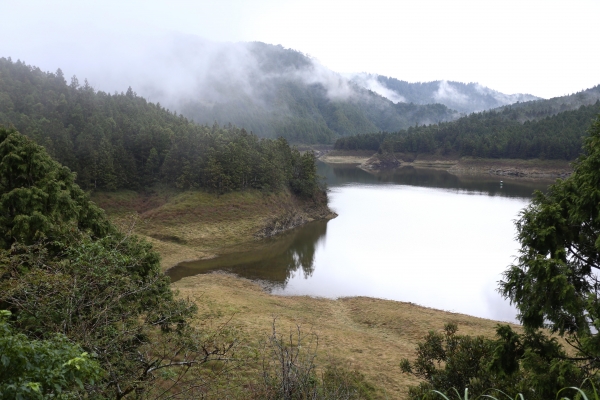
column 345, row 157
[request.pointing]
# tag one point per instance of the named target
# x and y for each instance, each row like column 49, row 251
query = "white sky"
column 547, row 48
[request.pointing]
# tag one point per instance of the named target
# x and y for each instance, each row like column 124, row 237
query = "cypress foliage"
column 64, row 269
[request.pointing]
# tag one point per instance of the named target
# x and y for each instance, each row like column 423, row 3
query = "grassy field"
column 195, row 224
column 364, row 334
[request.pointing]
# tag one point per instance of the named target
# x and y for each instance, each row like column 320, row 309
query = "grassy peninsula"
column 195, row 224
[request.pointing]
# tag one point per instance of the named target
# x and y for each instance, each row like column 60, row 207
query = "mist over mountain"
column 463, row 97
column 266, row 89
column 270, row 90
column 273, row 91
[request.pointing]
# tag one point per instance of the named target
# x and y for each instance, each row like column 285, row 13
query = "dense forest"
column 491, row 134
column 115, row 141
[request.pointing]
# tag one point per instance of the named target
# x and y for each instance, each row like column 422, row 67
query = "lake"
column 414, row 235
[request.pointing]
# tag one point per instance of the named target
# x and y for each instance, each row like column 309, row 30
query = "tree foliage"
column 529, row 363
column 555, row 283
column 506, row 133
column 75, row 275
column 38, row 197
column 36, row 369
column 115, row 141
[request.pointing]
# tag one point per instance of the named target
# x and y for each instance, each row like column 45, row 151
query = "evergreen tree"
column 554, row 283
column 64, row 269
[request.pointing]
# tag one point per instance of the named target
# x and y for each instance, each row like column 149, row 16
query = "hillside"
column 463, row 97
column 122, row 141
column 273, row 91
column 536, row 109
column 492, row 134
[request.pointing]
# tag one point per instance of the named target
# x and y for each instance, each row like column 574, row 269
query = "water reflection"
column 416, row 235
column 273, row 260
column 350, row 174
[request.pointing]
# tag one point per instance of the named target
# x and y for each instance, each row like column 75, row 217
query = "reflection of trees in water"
column 298, row 255
column 337, row 175
column 273, row 260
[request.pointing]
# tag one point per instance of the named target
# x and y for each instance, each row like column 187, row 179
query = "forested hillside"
column 531, row 110
column 117, row 141
column 492, row 134
column 274, row 92
column 463, row 97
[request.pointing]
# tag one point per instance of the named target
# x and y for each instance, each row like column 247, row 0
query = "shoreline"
column 196, row 225
column 366, row 334
column 513, row 168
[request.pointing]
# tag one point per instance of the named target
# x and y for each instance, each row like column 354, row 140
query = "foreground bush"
column 64, row 269
column 289, row 371
column 32, row 369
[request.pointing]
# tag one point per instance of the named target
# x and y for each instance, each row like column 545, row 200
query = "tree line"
column 122, row 141
column 491, row 134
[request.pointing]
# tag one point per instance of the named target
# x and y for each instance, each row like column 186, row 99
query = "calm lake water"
column 414, row 235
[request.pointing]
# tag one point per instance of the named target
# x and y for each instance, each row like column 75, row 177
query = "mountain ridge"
column 463, row 97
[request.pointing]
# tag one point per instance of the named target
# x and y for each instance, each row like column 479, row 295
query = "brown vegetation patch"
column 193, row 225
column 346, row 156
column 370, row 335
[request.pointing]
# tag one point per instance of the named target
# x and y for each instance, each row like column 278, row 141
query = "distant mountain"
column 274, row 91
column 463, row 97
column 537, row 109
column 544, row 129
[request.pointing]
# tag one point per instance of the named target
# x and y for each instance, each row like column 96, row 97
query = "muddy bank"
column 514, row 168
column 345, row 157
column 293, row 218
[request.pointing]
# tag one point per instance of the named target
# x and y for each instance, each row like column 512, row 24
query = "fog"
column 545, row 52
column 370, row 82
column 175, row 68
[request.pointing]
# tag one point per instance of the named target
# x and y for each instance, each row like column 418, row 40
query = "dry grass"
column 194, row 224
column 533, row 168
column 370, row 335
column 347, row 156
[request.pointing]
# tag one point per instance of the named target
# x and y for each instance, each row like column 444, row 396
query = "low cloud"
column 370, row 82
column 174, row 69
column 447, row 92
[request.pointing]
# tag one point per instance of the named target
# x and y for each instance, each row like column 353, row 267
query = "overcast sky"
column 546, row 48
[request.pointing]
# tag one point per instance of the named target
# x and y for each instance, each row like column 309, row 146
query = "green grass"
column 580, row 394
